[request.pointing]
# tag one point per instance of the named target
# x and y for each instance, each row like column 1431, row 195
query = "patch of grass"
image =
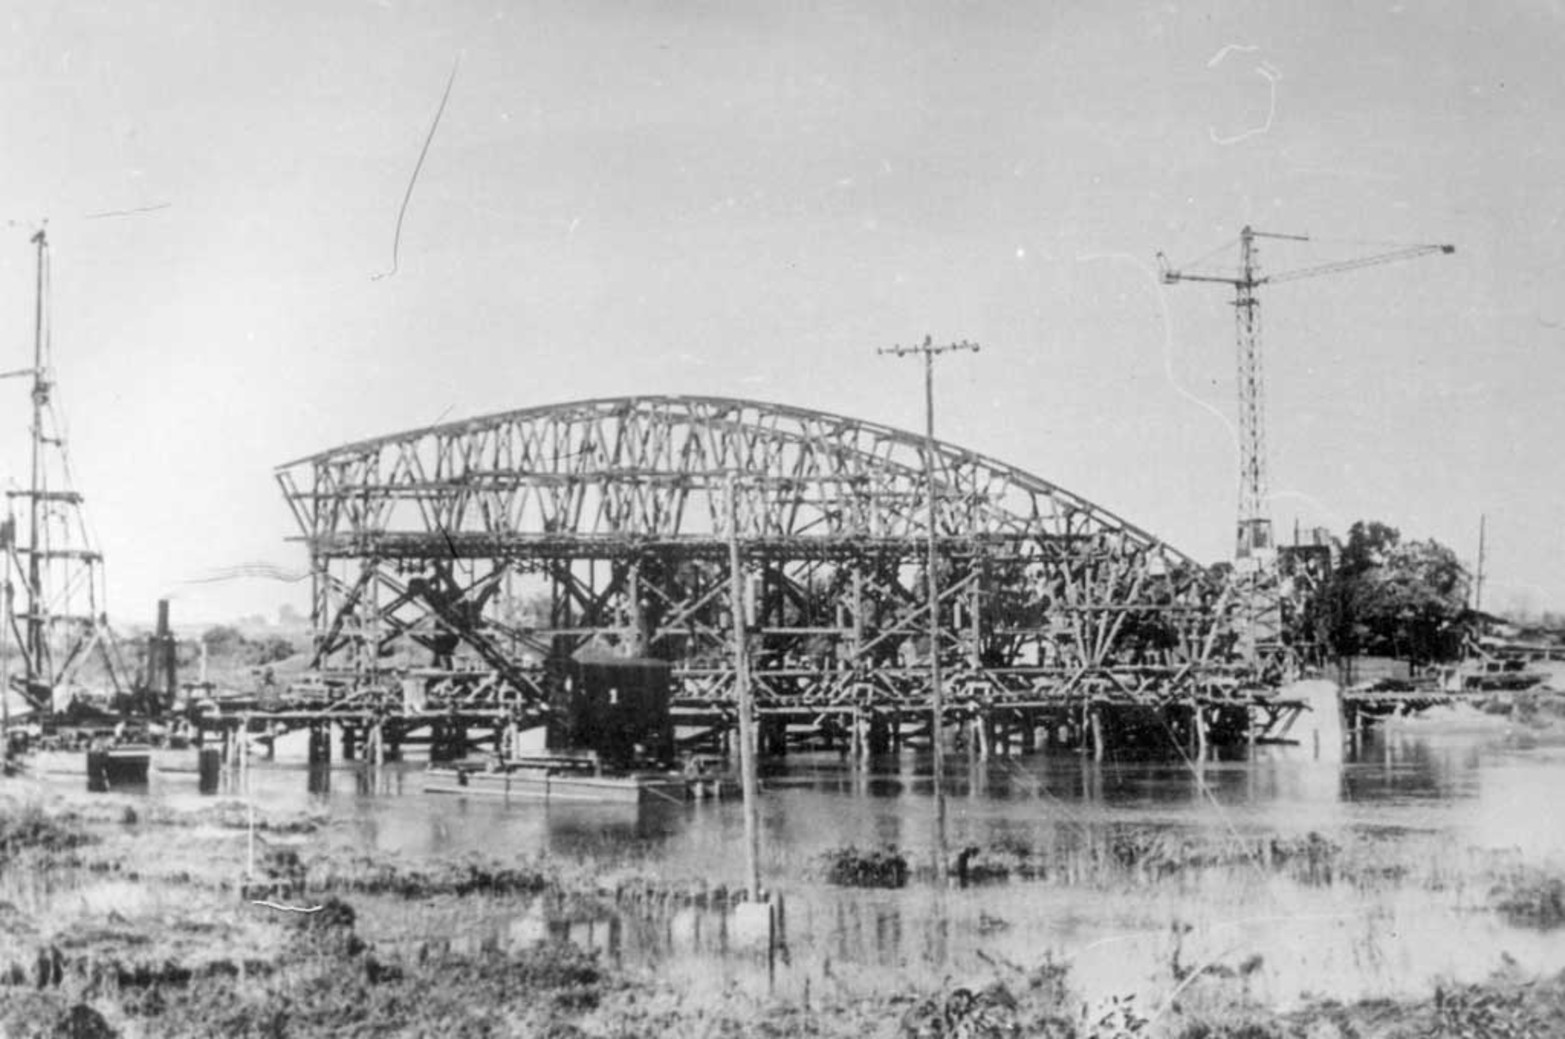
column 32, row 829
column 1531, row 898
column 1489, row 1011
column 990, row 1013
column 318, row 979
column 38, row 1015
column 1156, row 854
column 222, row 815
column 851, row 867
column 489, row 994
column 370, row 876
column 1230, row 1030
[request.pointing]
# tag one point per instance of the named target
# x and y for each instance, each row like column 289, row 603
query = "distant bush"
column 850, row 867
column 272, row 649
column 228, row 643
column 223, row 640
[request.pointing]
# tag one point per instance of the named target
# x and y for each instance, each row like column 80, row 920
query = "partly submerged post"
column 375, row 742
column 747, row 743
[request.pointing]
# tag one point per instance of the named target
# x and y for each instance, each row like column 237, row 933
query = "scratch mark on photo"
column 1271, row 76
column 396, row 238
column 1168, row 340
column 1217, row 58
column 285, row 908
column 137, row 211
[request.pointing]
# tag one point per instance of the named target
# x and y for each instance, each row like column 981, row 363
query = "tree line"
column 1386, row 596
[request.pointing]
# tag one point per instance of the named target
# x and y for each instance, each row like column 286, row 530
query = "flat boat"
column 550, row 778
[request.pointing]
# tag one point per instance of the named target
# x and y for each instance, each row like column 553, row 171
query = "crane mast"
column 1254, row 534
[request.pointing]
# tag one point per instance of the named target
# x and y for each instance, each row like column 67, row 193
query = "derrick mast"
column 61, row 624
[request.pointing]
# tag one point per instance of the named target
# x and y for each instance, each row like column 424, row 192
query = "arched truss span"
column 465, row 558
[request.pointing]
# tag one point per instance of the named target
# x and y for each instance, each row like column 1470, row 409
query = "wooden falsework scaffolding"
column 456, row 567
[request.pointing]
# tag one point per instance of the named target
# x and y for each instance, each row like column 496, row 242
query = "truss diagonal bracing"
column 463, row 563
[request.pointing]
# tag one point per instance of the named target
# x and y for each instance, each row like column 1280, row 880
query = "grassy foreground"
column 173, row 950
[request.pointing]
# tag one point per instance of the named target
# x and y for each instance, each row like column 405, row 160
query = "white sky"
column 746, row 200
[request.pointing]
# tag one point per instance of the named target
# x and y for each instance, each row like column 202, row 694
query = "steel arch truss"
column 461, row 563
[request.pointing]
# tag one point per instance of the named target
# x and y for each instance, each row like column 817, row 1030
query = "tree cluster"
column 1389, row 597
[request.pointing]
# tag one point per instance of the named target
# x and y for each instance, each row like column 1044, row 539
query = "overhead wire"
column 1198, row 261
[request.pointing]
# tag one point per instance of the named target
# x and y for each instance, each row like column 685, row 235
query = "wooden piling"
column 774, row 736
column 209, row 763
column 878, row 733
column 320, row 743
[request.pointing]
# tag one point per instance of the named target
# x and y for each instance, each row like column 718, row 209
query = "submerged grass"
column 852, row 867
column 322, row 981
column 325, row 982
column 248, row 971
column 371, row 876
column 1532, row 897
column 1131, row 854
column 31, row 829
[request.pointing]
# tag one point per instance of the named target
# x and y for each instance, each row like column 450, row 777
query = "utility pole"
column 749, row 785
column 7, row 540
column 1478, row 579
column 937, row 701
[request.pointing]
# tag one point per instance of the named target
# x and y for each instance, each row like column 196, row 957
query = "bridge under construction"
column 456, row 570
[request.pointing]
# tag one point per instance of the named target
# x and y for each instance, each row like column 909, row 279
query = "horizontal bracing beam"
column 520, row 545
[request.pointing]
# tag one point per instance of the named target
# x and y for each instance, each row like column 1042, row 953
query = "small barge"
column 609, row 739
column 558, row 778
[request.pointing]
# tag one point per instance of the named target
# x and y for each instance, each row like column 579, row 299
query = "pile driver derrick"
column 61, row 623
column 1255, row 548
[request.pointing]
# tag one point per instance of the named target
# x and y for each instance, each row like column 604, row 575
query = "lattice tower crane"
column 1254, row 544
column 1254, row 530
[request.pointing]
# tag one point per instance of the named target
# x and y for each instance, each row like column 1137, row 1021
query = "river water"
column 1441, row 799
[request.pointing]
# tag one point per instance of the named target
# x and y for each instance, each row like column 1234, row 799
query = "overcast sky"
column 746, row 200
